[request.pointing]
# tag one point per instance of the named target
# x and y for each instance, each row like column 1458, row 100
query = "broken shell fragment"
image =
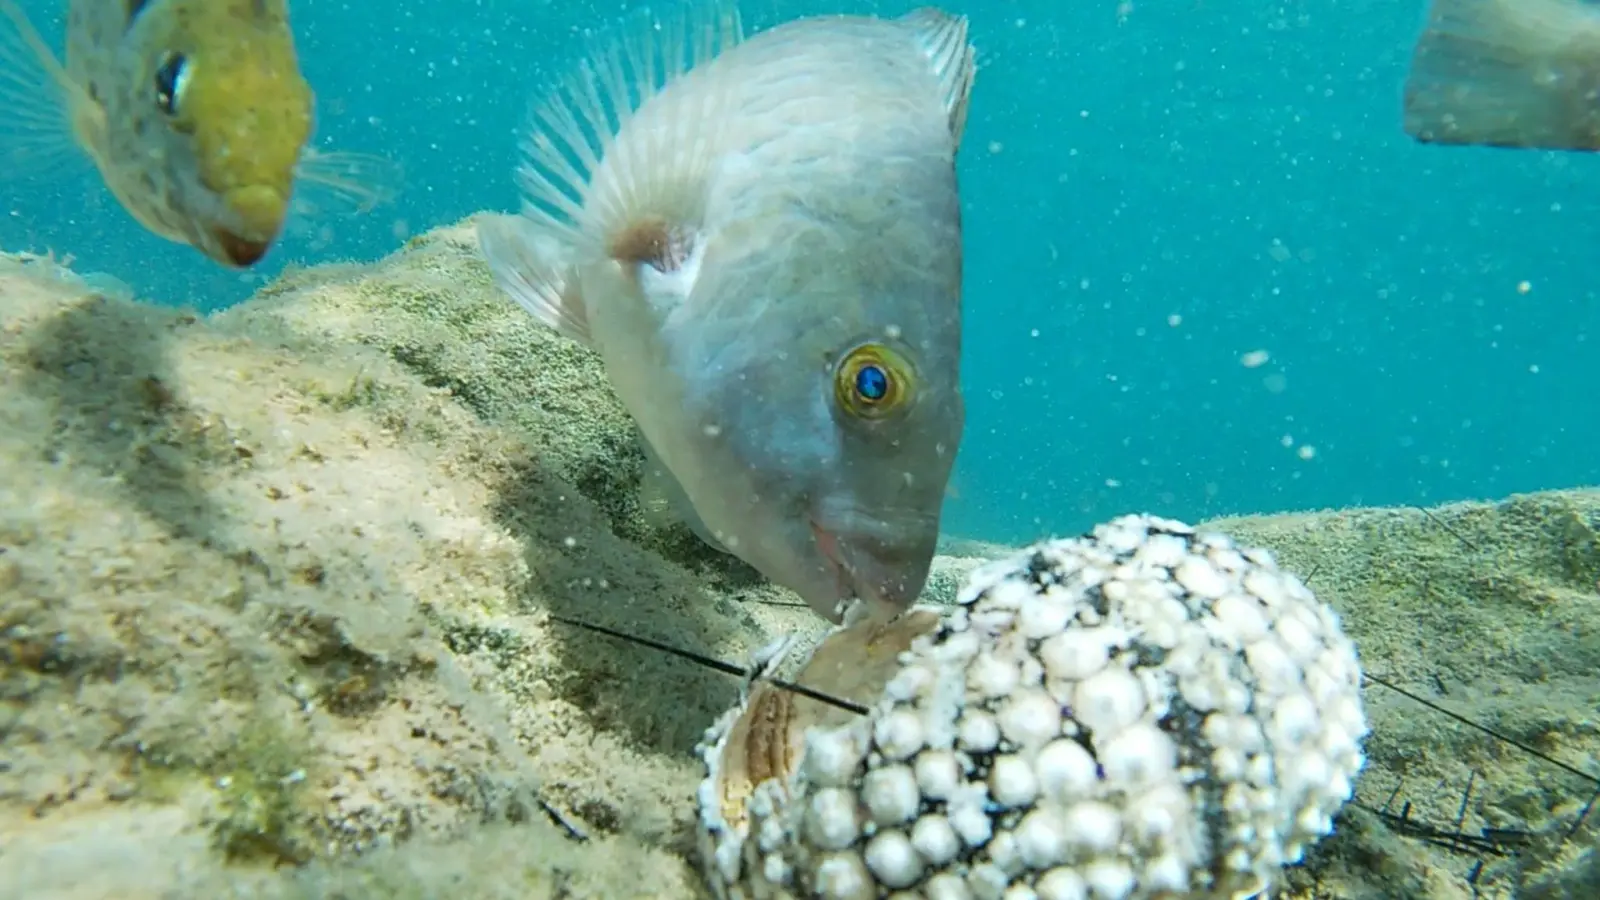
column 1141, row 712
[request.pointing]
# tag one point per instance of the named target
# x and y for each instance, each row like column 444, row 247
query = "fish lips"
column 255, row 216
column 888, row 576
column 238, row 250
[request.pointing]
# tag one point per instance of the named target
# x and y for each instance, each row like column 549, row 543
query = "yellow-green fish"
column 1507, row 73
column 762, row 239
column 194, row 112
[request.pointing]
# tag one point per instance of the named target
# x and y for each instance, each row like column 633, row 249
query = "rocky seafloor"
column 277, row 590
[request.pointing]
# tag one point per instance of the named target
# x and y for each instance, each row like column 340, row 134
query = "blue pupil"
column 872, row 383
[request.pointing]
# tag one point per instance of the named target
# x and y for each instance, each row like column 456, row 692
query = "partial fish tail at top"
column 1507, row 73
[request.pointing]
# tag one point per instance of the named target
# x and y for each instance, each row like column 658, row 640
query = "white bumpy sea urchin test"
column 1144, row 712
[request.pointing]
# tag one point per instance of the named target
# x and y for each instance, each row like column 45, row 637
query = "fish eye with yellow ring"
column 872, row 381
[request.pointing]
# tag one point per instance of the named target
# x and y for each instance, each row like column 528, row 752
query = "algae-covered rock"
column 434, row 309
column 204, row 548
column 270, row 600
column 280, row 589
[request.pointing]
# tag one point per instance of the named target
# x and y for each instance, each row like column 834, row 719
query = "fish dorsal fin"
column 943, row 38
column 527, row 265
column 1510, row 73
column 664, row 500
column 46, row 118
column 659, row 173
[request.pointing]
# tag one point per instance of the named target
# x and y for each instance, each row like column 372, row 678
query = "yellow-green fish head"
column 226, row 81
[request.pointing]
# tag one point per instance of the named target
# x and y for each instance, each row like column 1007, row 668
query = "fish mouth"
column 255, row 215
column 828, row 546
column 886, row 579
column 237, row 250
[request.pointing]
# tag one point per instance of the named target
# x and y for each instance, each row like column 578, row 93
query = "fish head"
column 877, row 486
column 836, row 447
column 221, row 81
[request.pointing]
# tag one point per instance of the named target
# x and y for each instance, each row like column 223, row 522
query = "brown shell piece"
column 763, row 743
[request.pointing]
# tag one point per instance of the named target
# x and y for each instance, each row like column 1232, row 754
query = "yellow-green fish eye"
column 873, row 381
column 171, row 78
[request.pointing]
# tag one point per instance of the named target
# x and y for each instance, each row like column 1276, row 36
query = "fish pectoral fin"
column 46, row 118
column 1508, row 73
column 527, row 264
column 341, row 183
column 943, row 38
column 664, row 500
column 657, row 177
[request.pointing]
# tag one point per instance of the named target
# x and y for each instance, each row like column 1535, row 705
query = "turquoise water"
column 1155, row 194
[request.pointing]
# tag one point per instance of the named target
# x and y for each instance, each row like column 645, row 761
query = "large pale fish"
column 1507, row 73
column 194, row 112
column 761, row 236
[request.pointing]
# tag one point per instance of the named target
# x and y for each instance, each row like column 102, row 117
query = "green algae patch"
column 262, row 804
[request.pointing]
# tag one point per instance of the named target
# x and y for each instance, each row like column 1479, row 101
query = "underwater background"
column 1207, row 273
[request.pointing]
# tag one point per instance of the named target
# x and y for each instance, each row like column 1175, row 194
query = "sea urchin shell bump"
column 1138, row 712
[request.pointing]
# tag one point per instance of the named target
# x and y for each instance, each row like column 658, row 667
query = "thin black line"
column 1572, row 770
column 1442, row 524
column 717, row 664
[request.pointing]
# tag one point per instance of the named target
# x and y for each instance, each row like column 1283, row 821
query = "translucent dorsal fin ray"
column 658, row 172
column 588, row 196
column 529, row 268
column 944, row 40
column 42, row 110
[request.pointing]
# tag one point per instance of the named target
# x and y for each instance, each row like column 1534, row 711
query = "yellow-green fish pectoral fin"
column 580, row 175
column 528, row 265
column 46, row 118
column 1507, row 73
column 342, row 183
column 664, row 501
column 943, row 37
